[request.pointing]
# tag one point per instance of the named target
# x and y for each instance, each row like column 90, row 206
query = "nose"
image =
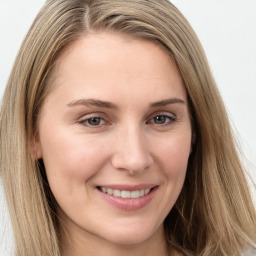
column 131, row 152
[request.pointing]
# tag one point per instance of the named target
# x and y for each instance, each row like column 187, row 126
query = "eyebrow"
column 109, row 105
column 92, row 102
column 167, row 102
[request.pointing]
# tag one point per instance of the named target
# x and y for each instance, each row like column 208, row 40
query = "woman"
column 115, row 141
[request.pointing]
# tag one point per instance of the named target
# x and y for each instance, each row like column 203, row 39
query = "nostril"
column 131, row 152
column 134, row 164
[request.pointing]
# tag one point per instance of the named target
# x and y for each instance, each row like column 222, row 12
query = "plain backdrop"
column 227, row 30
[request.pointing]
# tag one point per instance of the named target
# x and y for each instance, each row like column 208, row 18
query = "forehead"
column 107, row 62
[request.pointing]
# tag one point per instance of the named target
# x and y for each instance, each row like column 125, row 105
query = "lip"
column 129, row 204
column 129, row 187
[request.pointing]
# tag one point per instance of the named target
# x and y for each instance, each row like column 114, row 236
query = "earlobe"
column 35, row 147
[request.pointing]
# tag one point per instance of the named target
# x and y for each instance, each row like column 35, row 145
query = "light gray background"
column 227, row 30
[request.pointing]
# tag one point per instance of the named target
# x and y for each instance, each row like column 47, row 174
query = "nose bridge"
column 132, row 151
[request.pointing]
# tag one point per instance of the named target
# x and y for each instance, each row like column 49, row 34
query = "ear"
column 35, row 148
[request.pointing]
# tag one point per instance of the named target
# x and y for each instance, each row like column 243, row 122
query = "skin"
column 132, row 140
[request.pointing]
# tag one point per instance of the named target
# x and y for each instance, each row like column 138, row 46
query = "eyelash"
column 168, row 120
column 85, row 122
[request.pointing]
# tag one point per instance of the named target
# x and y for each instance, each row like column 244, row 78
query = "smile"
column 128, row 197
column 125, row 193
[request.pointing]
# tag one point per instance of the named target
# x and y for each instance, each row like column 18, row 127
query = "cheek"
column 70, row 161
column 173, row 155
column 177, row 147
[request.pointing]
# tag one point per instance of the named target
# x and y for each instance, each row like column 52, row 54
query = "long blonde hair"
column 214, row 214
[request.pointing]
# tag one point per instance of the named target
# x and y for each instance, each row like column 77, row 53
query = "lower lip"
column 129, row 204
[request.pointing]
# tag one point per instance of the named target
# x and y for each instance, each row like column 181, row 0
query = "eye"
column 162, row 119
column 93, row 121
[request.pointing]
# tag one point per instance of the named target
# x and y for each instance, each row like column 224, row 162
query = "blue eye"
column 162, row 119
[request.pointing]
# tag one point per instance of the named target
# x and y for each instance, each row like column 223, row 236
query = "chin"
column 127, row 240
column 129, row 235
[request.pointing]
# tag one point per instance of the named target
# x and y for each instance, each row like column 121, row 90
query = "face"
column 115, row 137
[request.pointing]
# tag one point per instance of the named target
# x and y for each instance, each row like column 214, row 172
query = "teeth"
column 142, row 192
column 116, row 192
column 147, row 191
column 109, row 191
column 135, row 194
column 125, row 193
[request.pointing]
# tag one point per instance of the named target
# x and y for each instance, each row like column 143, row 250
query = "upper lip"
column 128, row 187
